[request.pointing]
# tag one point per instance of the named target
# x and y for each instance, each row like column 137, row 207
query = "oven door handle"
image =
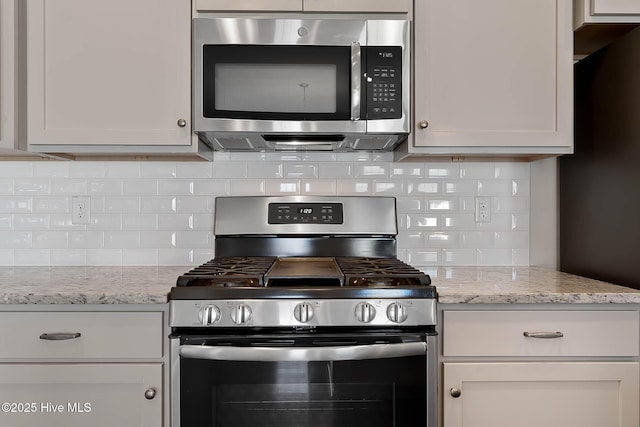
column 303, row 354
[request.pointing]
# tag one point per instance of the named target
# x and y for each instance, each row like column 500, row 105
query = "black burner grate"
column 250, row 271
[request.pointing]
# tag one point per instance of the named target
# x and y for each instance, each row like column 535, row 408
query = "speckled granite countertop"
column 151, row 285
column 523, row 285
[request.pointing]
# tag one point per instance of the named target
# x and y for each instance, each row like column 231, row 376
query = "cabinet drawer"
column 102, row 335
column 502, row 333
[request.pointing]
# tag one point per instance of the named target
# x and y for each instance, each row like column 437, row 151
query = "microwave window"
column 274, row 82
column 285, row 88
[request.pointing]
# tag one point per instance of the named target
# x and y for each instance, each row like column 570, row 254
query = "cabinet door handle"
column 544, row 335
column 423, row 124
column 60, row 336
column 150, row 393
column 455, row 392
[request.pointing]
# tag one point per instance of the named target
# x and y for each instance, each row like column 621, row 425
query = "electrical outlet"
column 81, row 210
column 483, row 209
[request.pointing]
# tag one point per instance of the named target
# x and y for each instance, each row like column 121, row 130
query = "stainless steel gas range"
column 304, row 318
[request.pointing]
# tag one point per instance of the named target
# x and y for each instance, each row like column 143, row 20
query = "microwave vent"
column 374, row 143
column 234, row 144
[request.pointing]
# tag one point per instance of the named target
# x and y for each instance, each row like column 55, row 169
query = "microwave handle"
column 303, row 354
column 356, row 80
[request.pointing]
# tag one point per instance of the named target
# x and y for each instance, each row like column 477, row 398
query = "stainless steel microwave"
column 301, row 84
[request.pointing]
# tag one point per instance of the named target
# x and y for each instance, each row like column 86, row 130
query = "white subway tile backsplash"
column 194, row 204
column 388, row 188
column 15, row 204
column 6, row 221
column 175, row 187
column 105, row 221
column 139, row 221
column 318, row 186
column 133, row 257
column 105, row 257
column 140, row 187
column 6, row 187
column 423, row 188
column 32, row 257
column 104, row 187
column 69, row 187
column 158, row 170
column 300, row 170
column 69, row 257
column 266, row 170
column 15, row 239
column 52, row 204
column 247, row 187
column 32, row 187
column 282, row 187
column 194, row 170
column 6, row 257
column 124, row 204
column 50, row 240
column 121, row 239
column 122, row 170
column 371, row 170
column 336, row 170
column 16, row 169
column 494, row 257
column 230, row 170
column 87, row 169
column 161, row 213
column 354, row 187
column 86, row 239
column 31, row 221
column 50, row 169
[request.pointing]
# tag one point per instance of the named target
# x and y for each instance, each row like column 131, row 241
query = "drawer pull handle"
column 60, row 336
column 544, row 335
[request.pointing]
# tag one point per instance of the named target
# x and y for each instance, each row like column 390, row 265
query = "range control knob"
column 241, row 314
column 365, row 312
column 209, row 314
column 397, row 312
column 303, row 312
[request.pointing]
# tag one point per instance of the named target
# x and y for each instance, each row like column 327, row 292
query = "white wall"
column 160, row 213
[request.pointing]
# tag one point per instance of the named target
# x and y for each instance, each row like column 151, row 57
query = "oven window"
column 276, row 82
column 381, row 392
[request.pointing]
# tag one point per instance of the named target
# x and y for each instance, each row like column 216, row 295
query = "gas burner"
column 228, row 272
column 360, row 271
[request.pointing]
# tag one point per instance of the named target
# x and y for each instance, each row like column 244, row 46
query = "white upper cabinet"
column 492, row 77
column 9, row 141
column 605, row 11
column 403, row 6
column 109, row 77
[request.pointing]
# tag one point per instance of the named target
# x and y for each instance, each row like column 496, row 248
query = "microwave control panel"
column 384, row 82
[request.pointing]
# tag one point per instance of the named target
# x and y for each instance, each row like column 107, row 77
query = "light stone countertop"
column 151, row 285
column 523, row 285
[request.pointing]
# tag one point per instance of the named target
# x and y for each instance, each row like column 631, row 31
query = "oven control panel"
column 305, row 213
column 300, row 313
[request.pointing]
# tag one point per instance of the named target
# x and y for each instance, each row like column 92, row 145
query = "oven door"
column 304, row 380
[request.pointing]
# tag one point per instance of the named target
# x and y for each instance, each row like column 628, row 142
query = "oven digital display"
column 305, row 213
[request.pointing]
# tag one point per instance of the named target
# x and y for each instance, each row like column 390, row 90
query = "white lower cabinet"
column 529, row 367
column 81, row 366
column 80, row 395
column 579, row 394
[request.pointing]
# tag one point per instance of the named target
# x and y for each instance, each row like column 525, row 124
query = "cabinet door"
column 402, row 6
column 541, row 394
column 113, row 73
column 615, row 7
column 96, row 395
column 493, row 73
column 249, row 5
column 7, row 73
